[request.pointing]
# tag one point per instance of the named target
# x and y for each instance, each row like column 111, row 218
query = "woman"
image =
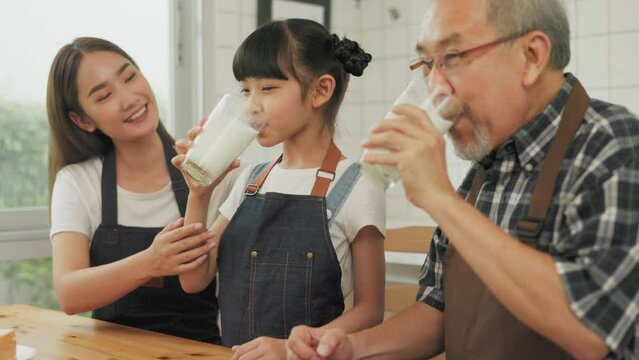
column 112, row 190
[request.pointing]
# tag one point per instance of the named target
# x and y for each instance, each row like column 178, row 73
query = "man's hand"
column 312, row 343
column 417, row 150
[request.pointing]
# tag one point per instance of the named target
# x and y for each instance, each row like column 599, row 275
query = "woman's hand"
column 182, row 146
column 261, row 348
column 178, row 248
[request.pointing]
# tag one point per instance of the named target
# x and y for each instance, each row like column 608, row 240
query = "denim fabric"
column 164, row 307
column 277, row 265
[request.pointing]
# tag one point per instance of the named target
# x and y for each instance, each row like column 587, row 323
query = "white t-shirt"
column 364, row 206
column 76, row 201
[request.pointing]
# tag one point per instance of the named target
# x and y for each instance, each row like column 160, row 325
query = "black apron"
column 159, row 305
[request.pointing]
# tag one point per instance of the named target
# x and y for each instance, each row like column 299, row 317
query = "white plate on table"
column 25, row 352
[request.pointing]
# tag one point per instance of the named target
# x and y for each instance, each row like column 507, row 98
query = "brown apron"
column 477, row 325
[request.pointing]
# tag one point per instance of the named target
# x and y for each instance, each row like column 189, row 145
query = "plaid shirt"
column 591, row 226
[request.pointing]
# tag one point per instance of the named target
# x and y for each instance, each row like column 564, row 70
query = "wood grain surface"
column 56, row 335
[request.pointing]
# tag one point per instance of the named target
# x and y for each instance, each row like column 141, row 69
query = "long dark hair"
column 68, row 143
column 305, row 50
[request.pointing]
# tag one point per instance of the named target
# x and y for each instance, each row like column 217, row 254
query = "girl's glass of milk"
column 227, row 133
column 433, row 102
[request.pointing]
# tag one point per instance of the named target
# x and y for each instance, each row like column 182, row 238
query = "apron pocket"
column 279, row 291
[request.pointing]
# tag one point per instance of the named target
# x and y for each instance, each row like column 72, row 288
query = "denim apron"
column 277, row 265
column 160, row 304
column 477, row 325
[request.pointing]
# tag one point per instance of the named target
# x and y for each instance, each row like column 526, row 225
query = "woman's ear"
column 323, row 90
column 82, row 122
column 537, row 48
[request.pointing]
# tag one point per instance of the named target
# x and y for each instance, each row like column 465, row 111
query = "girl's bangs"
column 263, row 54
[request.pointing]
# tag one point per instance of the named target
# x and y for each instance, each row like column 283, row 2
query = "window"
column 31, row 32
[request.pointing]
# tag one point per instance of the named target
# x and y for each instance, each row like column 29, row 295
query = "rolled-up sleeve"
column 598, row 261
column 431, row 279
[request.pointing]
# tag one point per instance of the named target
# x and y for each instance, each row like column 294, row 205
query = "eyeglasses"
column 451, row 59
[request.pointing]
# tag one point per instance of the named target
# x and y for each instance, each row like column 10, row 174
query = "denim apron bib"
column 159, row 305
column 477, row 325
column 277, row 265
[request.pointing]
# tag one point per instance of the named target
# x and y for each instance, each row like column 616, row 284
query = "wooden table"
column 56, row 335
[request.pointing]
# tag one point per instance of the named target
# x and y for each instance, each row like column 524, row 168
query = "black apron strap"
column 109, row 190
column 109, row 185
column 180, row 189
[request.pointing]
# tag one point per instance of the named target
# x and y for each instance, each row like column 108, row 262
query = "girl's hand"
column 182, row 146
column 177, row 249
column 261, row 348
column 312, row 343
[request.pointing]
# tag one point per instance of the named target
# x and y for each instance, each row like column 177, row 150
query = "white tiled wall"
column 389, row 32
column 605, row 37
column 605, row 46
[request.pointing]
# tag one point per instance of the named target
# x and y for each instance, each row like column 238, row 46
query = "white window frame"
column 24, row 232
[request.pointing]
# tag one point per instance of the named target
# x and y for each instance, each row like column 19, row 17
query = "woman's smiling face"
column 115, row 97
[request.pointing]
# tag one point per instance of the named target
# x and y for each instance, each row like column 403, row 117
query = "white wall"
column 605, row 45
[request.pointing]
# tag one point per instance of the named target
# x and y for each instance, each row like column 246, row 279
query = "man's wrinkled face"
column 481, row 81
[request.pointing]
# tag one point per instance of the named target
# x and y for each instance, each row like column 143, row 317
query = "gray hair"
column 520, row 16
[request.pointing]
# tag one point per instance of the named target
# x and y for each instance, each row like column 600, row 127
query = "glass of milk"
column 433, row 102
column 228, row 131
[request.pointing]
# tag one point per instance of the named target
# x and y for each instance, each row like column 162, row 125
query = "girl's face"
column 280, row 105
column 115, row 97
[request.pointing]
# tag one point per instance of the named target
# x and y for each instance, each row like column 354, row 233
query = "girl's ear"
column 82, row 122
column 323, row 90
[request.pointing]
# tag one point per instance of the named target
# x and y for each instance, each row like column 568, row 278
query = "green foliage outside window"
column 23, row 183
column 32, row 274
column 23, row 155
column 23, row 167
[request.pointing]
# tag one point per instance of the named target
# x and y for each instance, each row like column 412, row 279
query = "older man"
column 538, row 257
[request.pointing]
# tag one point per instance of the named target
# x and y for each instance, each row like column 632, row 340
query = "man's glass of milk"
column 433, row 102
column 228, row 131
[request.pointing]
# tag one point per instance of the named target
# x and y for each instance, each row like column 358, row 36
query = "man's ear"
column 322, row 90
column 537, row 49
column 82, row 122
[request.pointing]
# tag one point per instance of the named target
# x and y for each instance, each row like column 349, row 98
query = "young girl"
column 114, row 191
column 297, row 235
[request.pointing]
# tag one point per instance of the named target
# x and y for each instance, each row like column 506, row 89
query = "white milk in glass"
column 227, row 133
column 416, row 93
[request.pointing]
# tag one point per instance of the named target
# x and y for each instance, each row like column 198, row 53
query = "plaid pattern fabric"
column 591, row 226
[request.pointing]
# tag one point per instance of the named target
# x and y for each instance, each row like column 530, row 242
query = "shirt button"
column 528, row 167
column 329, row 214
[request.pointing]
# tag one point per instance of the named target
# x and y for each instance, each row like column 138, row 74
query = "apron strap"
column 323, row 178
column 341, row 191
column 254, row 187
column 326, row 173
column 108, row 190
column 530, row 225
column 478, row 181
column 180, row 189
column 109, row 185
